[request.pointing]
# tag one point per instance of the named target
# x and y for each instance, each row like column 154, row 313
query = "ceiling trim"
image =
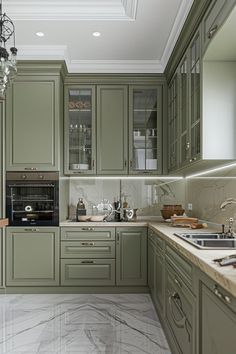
column 30, row 10
column 176, row 29
column 88, row 66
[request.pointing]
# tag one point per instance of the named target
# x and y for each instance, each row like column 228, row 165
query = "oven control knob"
column 24, row 176
column 28, row 208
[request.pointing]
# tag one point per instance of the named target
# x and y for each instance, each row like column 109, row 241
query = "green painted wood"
column 112, row 127
column 217, row 325
column 131, row 256
column 214, row 18
column 143, row 117
column 87, row 233
column 180, row 313
column 32, row 124
column 159, row 295
column 151, row 263
column 32, row 256
column 87, row 272
column 88, row 249
column 81, row 116
column 2, row 268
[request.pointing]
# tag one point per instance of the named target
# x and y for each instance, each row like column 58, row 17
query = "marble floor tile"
column 81, row 324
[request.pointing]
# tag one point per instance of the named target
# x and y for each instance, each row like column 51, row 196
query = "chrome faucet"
column 228, row 201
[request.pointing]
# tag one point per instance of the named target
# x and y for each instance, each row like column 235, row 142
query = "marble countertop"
column 203, row 259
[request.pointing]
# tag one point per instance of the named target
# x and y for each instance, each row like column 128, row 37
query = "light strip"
column 211, row 171
column 123, row 177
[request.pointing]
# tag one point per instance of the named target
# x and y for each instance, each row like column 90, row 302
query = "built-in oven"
column 32, row 198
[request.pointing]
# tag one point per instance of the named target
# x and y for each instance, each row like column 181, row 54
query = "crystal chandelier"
column 8, row 68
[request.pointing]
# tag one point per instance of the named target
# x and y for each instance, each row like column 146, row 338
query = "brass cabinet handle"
column 125, row 163
column 31, row 168
column 118, row 237
column 178, row 282
column 32, row 230
column 187, row 146
column 88, row 228
column 220, row 295
column 87, row 243
column 131, row 164
column 87, row 262
column 93, row 164
column 212, row 31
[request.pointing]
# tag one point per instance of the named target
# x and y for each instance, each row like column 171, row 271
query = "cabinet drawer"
column 180, row 309
column 156, row 240
column 87, row 249
column 214, row 18
column 87, row 272
column 182, row 267
column 87, row 233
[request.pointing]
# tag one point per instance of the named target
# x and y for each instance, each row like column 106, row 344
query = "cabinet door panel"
column 32, row 257
column 87, row 233
column 131, row 257
column 112, row 125
column 217, row 326
column 88, row 249
column 33, row 125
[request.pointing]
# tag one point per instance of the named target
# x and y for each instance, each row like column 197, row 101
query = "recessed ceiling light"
column 96, row 34
column 40, row 34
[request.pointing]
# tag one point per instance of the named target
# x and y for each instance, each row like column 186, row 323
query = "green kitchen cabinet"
column 32, row 256
column 173, row 123
column 180, row 313
column 32, row 123
column 184, row 109
column 159, row 294
column 112, row 127
column 145, row 129
column 215, row 16
column 151, row 262
column 217, row 318
column 2, row 259
column 131, row 256
column 80, row 133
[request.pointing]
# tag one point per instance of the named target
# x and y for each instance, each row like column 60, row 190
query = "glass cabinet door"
column 145, row 130
column 173, row 133
column 79, row 128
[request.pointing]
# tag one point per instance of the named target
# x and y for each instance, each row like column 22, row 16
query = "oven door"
column 32, row 203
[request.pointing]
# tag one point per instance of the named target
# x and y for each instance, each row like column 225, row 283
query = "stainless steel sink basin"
column 208, row 240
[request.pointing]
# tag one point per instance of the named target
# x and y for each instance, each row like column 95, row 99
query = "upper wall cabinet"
column 112, row 127
column 214, row 18
column 79, row 120
column 184, row 109
column 145, row 130
column 32, row 123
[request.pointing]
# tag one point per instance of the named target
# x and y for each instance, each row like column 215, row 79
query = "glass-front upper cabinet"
column 145, row 130
column 80, row 130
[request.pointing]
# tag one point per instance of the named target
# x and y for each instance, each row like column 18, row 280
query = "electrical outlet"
column 190, row 206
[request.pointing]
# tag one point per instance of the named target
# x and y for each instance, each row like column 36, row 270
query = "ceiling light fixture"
column 40, row 34
column 96, row 34
column 8, row 68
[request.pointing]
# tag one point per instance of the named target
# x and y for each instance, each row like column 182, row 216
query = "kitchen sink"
column 209, row 240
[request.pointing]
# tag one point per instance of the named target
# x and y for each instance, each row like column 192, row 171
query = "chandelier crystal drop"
column 8, row 69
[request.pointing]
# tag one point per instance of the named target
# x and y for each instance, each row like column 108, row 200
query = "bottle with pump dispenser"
column 80, row 209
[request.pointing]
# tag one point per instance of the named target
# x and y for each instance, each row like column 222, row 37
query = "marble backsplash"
column 148, row 196
column 207, row 194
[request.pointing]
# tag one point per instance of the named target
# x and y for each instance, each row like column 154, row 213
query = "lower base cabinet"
column 1, row 260
column 217, row 320
column 32, row 256
column 131, row 256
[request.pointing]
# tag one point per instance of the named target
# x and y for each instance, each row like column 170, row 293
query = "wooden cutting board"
column 4, row 222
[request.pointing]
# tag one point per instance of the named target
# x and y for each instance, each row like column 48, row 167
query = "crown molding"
column 176, row 29
column 23, row 10
column 88, row 66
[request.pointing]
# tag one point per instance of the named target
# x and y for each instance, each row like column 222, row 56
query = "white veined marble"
column 81, row 324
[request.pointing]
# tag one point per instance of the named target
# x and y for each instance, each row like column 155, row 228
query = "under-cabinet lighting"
column 211, row 170
column 124, row 177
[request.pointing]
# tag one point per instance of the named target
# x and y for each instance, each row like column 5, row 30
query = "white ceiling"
column 137, row 36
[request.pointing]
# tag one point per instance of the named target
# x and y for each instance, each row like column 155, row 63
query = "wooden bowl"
column 167, row 213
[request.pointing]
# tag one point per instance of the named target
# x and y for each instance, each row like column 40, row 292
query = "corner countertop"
column 203, row 259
